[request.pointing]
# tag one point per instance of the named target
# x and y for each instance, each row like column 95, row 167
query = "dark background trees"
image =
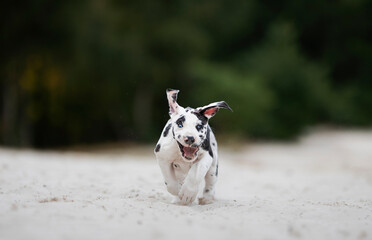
column 95, row 71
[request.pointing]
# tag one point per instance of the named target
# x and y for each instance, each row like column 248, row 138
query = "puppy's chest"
column 181, row 168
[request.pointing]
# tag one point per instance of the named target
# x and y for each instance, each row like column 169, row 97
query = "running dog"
column 187, row 151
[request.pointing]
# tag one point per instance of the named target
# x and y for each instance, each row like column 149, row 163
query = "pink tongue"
column 189, row 151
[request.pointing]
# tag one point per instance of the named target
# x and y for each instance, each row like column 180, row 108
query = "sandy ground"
column 317, row 188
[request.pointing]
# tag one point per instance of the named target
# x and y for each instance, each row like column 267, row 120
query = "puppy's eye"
column 179, row 124
column 199, row 126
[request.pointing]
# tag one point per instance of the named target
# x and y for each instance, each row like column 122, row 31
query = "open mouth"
column 188, row 153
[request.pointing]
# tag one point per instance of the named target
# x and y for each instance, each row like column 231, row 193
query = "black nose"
column 189, row 140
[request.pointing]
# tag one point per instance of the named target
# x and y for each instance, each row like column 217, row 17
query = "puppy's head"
column 189, row 126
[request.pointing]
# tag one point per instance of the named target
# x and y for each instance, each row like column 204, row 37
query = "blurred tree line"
column 91, row 71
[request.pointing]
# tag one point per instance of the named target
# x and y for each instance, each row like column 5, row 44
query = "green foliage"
column 300, row 87
column 276, row 92
column 246, row 94
column 92, row 71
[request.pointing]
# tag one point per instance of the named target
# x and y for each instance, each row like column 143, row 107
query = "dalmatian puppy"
column 187, row 151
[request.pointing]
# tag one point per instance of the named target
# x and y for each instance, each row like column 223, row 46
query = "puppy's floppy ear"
column 172, row 101
column 211, row 109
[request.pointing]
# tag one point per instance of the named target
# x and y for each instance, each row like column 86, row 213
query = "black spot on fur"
column 179, row 136
column 201, row 117
column 166, row 131
column 223, row 104
column 181, row 120
column 166, row 183
column 217, row 170
column 201, row 136
column 206, row 190
column 206, row 143
column 213, row 144
column 175, row 165
column 157, row 148
column 174, row 97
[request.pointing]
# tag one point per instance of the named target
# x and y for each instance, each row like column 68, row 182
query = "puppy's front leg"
column 166, row 168
column 196, row 174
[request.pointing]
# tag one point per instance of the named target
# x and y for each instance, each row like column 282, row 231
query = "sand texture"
column 317, row 188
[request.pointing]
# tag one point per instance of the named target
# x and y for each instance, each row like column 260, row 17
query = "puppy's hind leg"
column 210, row 182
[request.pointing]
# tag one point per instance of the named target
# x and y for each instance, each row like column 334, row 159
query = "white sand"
column 319, row 188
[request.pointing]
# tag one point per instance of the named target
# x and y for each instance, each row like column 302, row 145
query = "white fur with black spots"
column 187, row 151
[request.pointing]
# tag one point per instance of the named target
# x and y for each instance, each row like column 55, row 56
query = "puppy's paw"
column 188, row 193
column 206, row 200
column 175, row 200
